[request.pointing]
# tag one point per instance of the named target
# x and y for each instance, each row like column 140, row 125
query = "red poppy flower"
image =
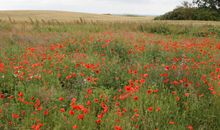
column 80, row 116
column 150, row 109
column 2, row 96
column 88, row 102
column 20, row 94
column 15, row 116
column 62, row 110
column 89, row 91
column 167, row 68
column 98, row 121
column 135, row 98
column 46, row 112
column 158, row 109
column 171, row 122
column 118, row 128
column 146, row 75
column 71, row 112
column 61, row 98
column 1, row 67
column 190, row 127
column 149, row 91
column 75, row 127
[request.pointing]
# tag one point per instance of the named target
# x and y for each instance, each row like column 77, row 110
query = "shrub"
column 191, row 13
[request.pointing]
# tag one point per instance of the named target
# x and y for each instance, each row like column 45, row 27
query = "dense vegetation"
column 117, row 76
column 189, row 12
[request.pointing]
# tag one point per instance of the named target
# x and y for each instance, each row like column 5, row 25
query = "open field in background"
column 74, row 17
column 114, row 75
column 22, row 16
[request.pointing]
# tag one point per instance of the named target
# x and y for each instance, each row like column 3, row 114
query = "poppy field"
column 109, row 80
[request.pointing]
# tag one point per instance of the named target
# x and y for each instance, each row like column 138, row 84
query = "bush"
column 191, row 13
column 206, row 14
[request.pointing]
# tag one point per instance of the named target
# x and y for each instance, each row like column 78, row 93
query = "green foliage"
column 189, row 30
column 191, row 13
column 213, row 4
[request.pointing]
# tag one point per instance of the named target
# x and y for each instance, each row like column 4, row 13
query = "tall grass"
column 110, row 76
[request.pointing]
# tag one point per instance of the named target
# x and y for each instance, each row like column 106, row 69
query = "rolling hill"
column 63, row 16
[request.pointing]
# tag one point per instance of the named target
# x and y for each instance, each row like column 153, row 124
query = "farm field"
column 113, row 75
column 64, row 16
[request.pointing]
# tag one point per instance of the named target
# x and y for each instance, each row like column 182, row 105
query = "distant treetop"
column 213, row 4
column 197, row 10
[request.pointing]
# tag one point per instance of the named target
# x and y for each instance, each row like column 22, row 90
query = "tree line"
column 196, row 10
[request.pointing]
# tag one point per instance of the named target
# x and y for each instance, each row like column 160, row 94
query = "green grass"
column 118, row 75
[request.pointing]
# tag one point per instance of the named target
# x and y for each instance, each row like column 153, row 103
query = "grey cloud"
column 152, row 7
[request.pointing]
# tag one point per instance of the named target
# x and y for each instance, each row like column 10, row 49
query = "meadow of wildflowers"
column 111, row 80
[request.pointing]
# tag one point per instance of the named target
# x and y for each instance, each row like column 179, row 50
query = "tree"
column 187, row 4
column 213, row 4
column 197, row 10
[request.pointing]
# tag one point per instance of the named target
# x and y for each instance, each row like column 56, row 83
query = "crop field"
column 63, row 16
column 58, row 75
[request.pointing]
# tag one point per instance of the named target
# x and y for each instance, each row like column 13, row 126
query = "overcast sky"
column 141, row 7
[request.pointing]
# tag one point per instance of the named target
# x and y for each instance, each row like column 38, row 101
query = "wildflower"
column 175, row 83
column 167, row 68
column 2, row 96
column 31, row 49
column 88, row 103
column 71, row 112
column 142, row 81
column 149, row 91
column 171, row 122
column 15, row 116
column 68, row 77
column 135, row 98
column 46, row 112
column 37, row 127
column 1, row 67
column 59, row 75
column 150, row 109
column 164, row 75
column 20, row 94
column 39, row 108
column 124, row 110
column 73, row 100
column 135, row 110
column 146, row 75
column 100, row 115
column 96, row 100
column 158, row 109
column 80, row 117
column 177, row 98
column 156, row 91
column 190, row 127
column 186, row 94
column 61, row 98
column 11, row 97
column 89, row 91
column 75, row 127
column 174, row 92
column 117, row 104
column 118, row 128
column 128, row 88
column 98, row 121
column 213, row 92
column 62, row 110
